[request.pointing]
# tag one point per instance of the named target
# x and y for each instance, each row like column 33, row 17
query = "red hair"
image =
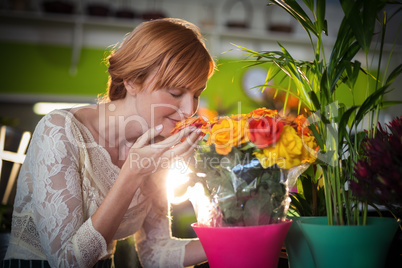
column 172, row 47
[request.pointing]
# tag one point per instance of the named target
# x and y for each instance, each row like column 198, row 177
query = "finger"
column 176, row 138
column 145, row 138
column 190, row 152
column 194, row 138
column 188, row 146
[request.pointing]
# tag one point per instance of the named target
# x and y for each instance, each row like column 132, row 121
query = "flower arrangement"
column 378, row 173
column 246, row 164
column 317, row 83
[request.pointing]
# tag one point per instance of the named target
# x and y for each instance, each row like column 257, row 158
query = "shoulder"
column 55, row 121
column 58, row 125
column 52, row 141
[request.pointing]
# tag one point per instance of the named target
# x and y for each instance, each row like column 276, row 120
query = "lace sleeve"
column 67, row 237
column 155, row 245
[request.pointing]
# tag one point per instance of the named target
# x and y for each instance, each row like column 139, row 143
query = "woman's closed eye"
column 175, row 95
column 175, row 92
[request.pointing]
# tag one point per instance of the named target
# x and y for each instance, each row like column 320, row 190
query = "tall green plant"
column 336, row 127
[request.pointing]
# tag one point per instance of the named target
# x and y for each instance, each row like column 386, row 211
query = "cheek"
column 163, row 103
column 196, row 105
column 161, row 110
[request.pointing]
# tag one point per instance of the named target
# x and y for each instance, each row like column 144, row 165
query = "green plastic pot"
column 349, row 245
column 297, row 249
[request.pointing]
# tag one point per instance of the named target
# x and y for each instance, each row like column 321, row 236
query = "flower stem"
column 365, row 207
column 327, row 190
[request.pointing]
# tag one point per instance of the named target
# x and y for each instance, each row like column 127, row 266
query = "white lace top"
column 62, row 182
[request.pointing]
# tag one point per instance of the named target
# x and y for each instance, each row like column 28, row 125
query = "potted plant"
column 244, row 166
column 336, row 127
column 307, row 200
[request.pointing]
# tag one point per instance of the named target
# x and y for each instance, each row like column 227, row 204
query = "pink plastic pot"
column 251, row 246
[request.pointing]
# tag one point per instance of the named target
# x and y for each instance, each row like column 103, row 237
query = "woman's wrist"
column 130, row 179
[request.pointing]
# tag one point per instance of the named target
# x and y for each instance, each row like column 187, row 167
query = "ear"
column 131, row 87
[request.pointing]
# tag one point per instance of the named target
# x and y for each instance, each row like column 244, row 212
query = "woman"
column 94, row 174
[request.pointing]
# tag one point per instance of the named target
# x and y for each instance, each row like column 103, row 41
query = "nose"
column 189, row 105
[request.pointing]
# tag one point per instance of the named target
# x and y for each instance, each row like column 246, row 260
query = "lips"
column 173, row 121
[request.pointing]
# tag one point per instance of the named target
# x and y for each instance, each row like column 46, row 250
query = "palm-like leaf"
column 316, row 84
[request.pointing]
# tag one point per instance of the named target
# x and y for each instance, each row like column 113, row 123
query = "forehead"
column 189, row 76
column 185, row 83
column 153, row 83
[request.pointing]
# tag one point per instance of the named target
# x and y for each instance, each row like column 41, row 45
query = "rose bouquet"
column 246, row 164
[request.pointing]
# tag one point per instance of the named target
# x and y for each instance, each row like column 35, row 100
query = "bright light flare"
column 177, row 176
column 202, row 205
column 42, row 108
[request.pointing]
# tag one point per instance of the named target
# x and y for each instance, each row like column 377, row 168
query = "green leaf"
column 309, row 4
column 317, row 136
column 369, row 103
column 395, row 73
column 344, row 122
column 315, row 100
column 248, row 146
column 307, row 187
column 295, row 203
column 386, row 104
column 297, row 12
column 352, row 73
column 301, row 205
column 361, row 16
column 325, row 90
column 336, row 69
column 321, row 22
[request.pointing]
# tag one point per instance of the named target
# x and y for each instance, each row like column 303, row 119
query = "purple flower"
column 378, row 174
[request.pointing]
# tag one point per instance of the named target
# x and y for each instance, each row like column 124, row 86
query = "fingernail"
column 159, row 127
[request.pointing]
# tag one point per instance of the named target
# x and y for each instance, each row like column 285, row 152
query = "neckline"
column 89, row 134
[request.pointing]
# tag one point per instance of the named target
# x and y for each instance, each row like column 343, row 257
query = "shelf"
column 68, row 18
column 86, row 22
column 71, row 25
column 80, row 30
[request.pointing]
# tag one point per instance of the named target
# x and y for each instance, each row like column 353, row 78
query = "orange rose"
column 238, row 116
column 227, row 133
column 206, row 113
column 197, row 122
column 260, row 112
column 302, row 124
column 264, row 131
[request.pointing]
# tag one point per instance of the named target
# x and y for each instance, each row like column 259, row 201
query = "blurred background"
column 54, row 50
column 53, row 53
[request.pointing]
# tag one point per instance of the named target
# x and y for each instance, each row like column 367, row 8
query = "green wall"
column 224, row 89
column 44, row 69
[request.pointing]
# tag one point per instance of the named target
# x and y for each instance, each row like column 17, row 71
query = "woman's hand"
column 147, row 157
